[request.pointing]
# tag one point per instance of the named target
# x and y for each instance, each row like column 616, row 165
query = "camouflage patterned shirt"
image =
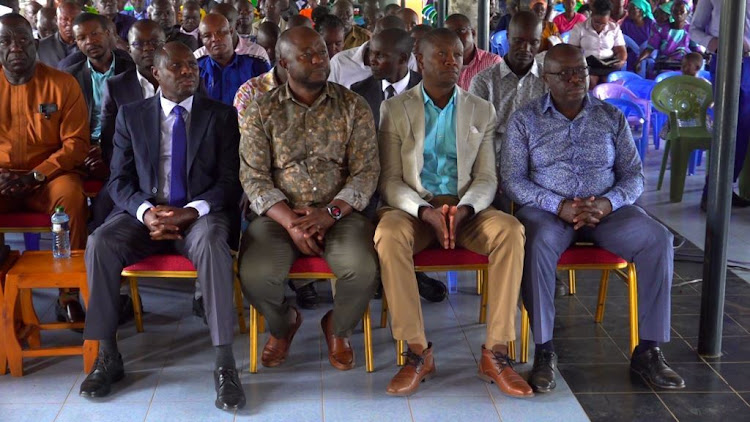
column 308, row 156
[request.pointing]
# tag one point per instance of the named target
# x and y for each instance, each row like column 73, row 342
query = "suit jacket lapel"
column 200, row 116
column 464, row 118
column 87, row 87
column 151, row 120
column 414, row 110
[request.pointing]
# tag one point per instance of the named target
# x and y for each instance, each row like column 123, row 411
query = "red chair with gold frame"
column 309, row 267
column 586, row 257
column 172, row 266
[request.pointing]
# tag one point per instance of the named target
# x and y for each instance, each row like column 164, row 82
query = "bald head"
column 303, row 54
column 176, row 70
column 228, row 11
column 143, row 26
column 388, row 22
column 560, row 55
column 523, row 21
column 410, row 18
column 213, row 22
column 66, row 14
column 439, row 35
column 18, row 66
column 295, row 37
column 216, row 34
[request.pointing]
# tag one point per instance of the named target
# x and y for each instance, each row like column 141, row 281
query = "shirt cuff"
column 615, row 199
column 201, row 206
column 354, row 198
column 551, row 203
column 145, row 206
column 265, row 201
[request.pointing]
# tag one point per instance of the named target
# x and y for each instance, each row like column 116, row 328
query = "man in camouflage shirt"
column 307, row 177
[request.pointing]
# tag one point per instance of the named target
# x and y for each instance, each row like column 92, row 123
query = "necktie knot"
column 390, row 92
column 178, row 111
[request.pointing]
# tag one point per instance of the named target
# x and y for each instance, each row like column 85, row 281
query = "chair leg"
column 524, row 335
column 254, row 331
column 482, row 279
column 603, row 284
column 479, row 282
column 512, row 350
column 30, row 318
column 400, row 349
column 240, row 304
column 384, row 312
column 633, row 294
column 367, row 325
column 678, row 172
column 663, row 168
column 572, row 282
column 136, row 303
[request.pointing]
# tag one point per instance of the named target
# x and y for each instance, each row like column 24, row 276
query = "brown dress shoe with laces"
column 276, row 349
column 418, row 368
column 340, row 352
column 497, row 368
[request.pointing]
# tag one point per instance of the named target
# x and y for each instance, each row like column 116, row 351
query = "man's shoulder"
column 344, row 56
column 363, row 86
column 532, row 108
column 205, row 102
column 58, row 77
column 477, row 101
column 49, row 42
column 358, row 30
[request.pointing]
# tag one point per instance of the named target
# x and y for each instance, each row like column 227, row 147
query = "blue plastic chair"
column 499, row 43
column 620, row 76
column 565, row 37
column 642, row 89
column 705, row 74
column 636, row 118
column 648, row 64
column 664, row 75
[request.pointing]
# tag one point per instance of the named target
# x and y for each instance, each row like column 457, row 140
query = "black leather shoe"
column 70, row 311
column 739, row 202
column 652, row 366
column 229, row 393
column 107, row 371
column 199, row 310
column 307, row 297
column 431, row 289
column 542, row 376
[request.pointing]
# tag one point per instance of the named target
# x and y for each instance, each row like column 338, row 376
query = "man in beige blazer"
column 437, row 181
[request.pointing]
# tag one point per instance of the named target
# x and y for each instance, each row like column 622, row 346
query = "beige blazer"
column 401, row 138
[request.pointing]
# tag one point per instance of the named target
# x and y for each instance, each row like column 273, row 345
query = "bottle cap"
column 59, row 208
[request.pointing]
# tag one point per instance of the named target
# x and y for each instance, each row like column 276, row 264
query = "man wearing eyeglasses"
column 571, row 163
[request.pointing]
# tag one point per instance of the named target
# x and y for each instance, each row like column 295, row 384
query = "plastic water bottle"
column 60, row 233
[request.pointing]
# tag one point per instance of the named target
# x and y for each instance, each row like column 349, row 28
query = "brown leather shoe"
column 497, row 368
column 340, row 352
column 276, row 349
column 418, row 368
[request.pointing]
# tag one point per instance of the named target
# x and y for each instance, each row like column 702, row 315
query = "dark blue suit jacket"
column 212, row 155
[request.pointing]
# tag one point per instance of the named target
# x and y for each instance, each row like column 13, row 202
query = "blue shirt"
column 97, row 87
column 222, row 83
column 548, row 158
column 440, row 172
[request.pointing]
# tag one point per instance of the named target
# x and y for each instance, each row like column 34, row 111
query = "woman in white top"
column 601, row 41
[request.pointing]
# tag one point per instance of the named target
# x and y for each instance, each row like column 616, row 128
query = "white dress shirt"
column 399, row 86
column 147, row 88
column 595, row 44
column 707, row 22
column 164, row 175
column 348, row 66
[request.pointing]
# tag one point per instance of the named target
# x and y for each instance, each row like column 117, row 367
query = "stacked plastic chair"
column 499, row 43
column 636, row 118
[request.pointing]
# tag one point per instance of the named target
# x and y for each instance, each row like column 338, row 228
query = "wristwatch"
column 38, row 176
column 335, row 212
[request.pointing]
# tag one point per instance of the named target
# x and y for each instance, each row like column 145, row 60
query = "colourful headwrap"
column 666, row 8
column 644, row 7
column 532, row 3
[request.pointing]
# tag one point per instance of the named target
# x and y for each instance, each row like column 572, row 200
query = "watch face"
column 335, row 211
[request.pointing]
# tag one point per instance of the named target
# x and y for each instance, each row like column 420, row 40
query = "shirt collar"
column 193, row 33
column 145, row 82
column 329, row 91
column 231, row 63
column 106, row 74
column 547, row 104
column 505, row 69
column 399, row 86
column 167, row 105
column 428, row 100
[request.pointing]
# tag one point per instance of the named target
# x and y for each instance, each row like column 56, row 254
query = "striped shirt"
column 482, row 60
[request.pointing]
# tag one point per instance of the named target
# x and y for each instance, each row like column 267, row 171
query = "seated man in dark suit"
column 175, row 182
column 390, row 51
column 62, row 44
column 162, row 11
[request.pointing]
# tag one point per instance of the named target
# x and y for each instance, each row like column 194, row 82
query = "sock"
column 548, row 346
column 224, row 356
column 644, row 345
column 108, row 347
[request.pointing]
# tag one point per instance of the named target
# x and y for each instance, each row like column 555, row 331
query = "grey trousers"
column 628, row 232
column 267, row 253
column 123, row 240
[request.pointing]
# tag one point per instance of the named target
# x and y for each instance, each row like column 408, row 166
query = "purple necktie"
column 178, row 182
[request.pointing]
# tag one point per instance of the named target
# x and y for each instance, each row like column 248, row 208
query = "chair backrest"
column 628, row 108
column 621, row 76
column 611, row 90
column 640, row 87
column 705, row 74
column 664, row 75
column 565, row 37
column 499, row 42
column 685, row 96
column 630, row 44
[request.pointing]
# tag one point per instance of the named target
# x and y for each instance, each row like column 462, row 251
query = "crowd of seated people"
column 361, row 146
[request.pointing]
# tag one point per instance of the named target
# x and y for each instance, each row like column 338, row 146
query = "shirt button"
column 153, row 190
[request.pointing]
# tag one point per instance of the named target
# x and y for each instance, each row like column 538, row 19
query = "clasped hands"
column 309, row 229
column 446, row 221
column 584, row 212
column 167, row 223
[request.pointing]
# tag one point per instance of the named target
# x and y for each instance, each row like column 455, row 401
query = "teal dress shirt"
column 97, row 86
column 440, row 172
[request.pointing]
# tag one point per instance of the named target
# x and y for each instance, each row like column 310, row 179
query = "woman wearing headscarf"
column 638, row 25
column 671, row 41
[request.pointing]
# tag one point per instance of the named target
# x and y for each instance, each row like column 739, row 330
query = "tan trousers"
column 65, row 190
column 491, row 232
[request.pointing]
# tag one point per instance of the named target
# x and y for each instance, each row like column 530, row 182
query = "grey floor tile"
column 50, row 382
column 103, row 412
column 364, row 409
column 200, row 411
column 624, row 407
column 429, row 409
column 24, row 412
column 279, row 409
column 688, row 407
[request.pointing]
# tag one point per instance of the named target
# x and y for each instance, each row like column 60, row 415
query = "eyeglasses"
column 567, row 74
column 151, row 43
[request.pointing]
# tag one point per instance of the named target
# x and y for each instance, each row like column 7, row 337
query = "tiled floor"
column 169, row 365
